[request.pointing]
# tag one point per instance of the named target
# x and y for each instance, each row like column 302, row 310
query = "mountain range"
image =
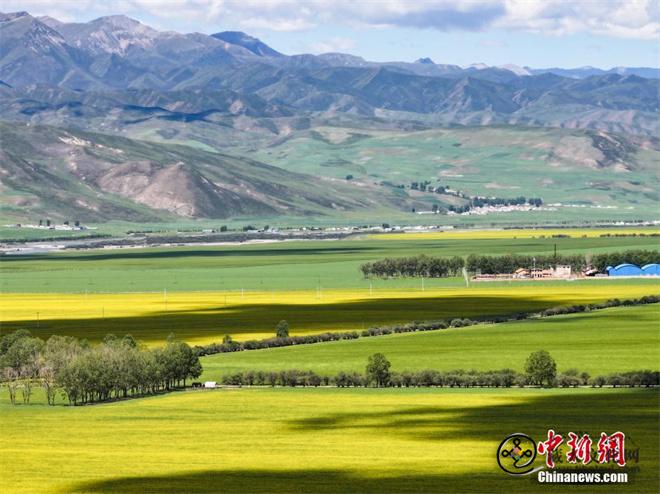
column 119, row 54
column 112, row 119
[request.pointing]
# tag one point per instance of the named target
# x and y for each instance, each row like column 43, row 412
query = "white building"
column 562, row 271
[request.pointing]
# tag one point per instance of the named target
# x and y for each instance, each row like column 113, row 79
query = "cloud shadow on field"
column 242, row 319
column 257, row 481
column 634, row 411
column 539, row 410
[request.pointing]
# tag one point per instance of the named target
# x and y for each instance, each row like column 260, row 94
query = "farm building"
column 542, row 273
column 651, row 269
column 624, row 270
column 210, row 384
column 521, row 273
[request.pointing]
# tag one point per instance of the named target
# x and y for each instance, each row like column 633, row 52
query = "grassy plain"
column 201, row 293
column 311, row 440
column 204, row 317
column 322, row 440
column 300, row 265
column 601, row 342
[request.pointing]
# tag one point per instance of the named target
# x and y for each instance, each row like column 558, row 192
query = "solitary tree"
column 282, row 329
column 541, row 368
column 378, row 369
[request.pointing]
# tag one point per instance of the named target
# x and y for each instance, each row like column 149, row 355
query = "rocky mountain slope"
column 65, row 174
column 119, row 54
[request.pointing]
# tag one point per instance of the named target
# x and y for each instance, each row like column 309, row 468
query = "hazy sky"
column 537, row 33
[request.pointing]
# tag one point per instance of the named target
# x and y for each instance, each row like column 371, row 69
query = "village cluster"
column 565, row 272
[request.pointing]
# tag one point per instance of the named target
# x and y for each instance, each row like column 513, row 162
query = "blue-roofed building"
column 651, row 269
column 624, row 270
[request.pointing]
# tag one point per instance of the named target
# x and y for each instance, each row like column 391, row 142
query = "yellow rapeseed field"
column 202, row 317
column 307, row 440
column 515, row 233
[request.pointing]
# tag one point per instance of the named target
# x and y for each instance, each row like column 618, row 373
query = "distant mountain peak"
column 118, row 21
column 10, row 16
column 425, row 60
column 114, row 34
column 50, row 21
column 516, row 69
column 248, row 42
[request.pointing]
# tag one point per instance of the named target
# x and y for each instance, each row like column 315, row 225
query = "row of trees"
column 638, row 257
column 510, row 262
column 438, row 267
column 282, row 338
column 116, row 368
column 540, row 370
column 229, row 345
column 421, row 266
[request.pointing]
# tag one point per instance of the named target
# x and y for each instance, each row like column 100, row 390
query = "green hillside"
column 291, row 171
column 572, row 167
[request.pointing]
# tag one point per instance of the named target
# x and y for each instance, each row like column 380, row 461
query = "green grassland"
column 600, row 342
column 311, row 440
column 324, row 440
column 610, row 182
column 299, row 265
column 558, row 165
column 244, row 290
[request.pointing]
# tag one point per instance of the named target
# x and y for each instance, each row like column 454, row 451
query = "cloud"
column 333, row 45
column 614, row 18
column 282, row 25
column 475, row 16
